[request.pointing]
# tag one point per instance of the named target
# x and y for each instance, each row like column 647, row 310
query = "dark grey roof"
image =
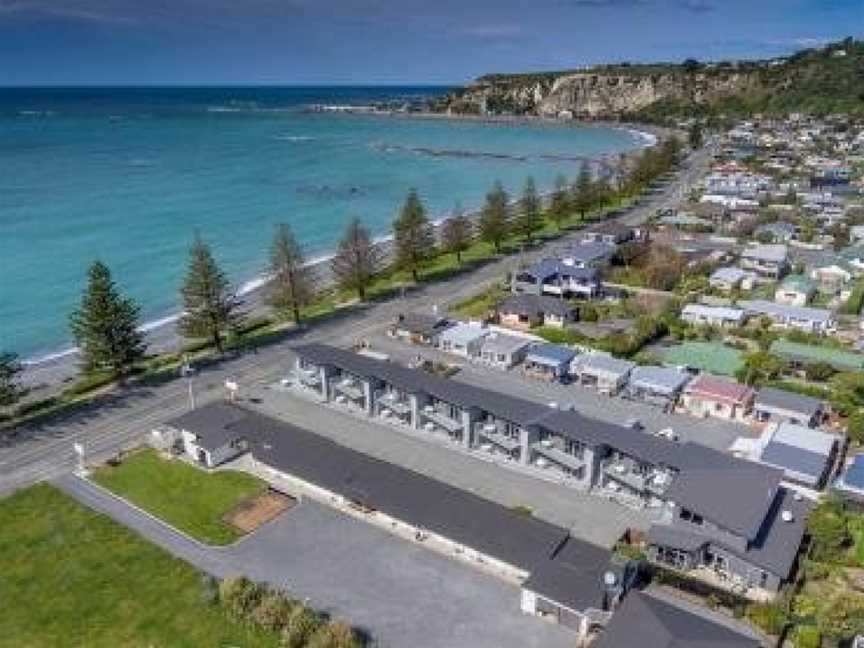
column 402, row 494
column 550, row 354
column 531, row 305
column 731, row 492
column 213, row 426
column 421, row 323
column 797, row 460
column 774, row 548
column 573, row 577
column 781, row 399
column 645, row 621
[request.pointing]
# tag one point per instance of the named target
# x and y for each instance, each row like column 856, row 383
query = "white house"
column 463, row 339
column 723, row 316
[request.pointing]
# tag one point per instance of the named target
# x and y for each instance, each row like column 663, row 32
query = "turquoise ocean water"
column 128, row 175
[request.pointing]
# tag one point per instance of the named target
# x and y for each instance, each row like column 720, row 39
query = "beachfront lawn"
column 186, row 497
column 73, row 577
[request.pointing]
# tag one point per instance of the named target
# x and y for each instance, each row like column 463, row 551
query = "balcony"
column 558, row 456
column 430, row 414
column 624, row 471
column 394, row 403
column 489, row 431
column 349, row 388
column 310, row 377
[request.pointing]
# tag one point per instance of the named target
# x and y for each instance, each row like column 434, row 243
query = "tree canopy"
column 413, row 235
column 529, row 219
column 10, row 391
column 105, row 325
column 494, row 224
column 357, row 260
column 291, row 281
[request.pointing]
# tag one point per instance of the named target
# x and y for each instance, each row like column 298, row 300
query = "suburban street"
column 120, row 420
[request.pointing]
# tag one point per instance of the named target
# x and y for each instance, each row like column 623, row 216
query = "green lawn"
column 186, row 497
column 72, row 577
column 713, row 357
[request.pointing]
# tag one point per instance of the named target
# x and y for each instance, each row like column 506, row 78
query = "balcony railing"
column 349, row 388
column 558, row 456
column 431, row 414
column 394, row 403
column 489, row 431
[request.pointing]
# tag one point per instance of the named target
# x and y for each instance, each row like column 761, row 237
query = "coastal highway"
column 119, row 421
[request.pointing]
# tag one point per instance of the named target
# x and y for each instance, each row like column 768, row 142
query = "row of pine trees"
column 106, row 324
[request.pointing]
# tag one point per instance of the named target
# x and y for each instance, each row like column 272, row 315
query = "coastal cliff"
column 825, row 80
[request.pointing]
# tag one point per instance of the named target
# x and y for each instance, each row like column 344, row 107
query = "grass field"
column 186, row 497
column 72, row 577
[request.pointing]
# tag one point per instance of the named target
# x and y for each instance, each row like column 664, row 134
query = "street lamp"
column 188, row 372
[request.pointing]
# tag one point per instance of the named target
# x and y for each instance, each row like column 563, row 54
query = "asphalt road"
column 43, row 451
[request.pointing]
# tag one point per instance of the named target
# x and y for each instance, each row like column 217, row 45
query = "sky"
column 309, row 42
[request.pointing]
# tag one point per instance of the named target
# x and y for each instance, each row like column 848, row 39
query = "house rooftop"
column 729, row 274
column 663, row 378
column 402, row 494
column 550, row 354
column 644, row 619
column 421, row 323
column 768, row 253
column 799, row 283
column 503, row 343
column 712, row 312
column 780, row 399
column 604, row 363
column 713, row 357
column 529, row 305
column 213, row 426
column 719, row 389
column 786, row 311
column 462, row 333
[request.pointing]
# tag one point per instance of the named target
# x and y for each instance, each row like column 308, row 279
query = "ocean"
column 128, row 175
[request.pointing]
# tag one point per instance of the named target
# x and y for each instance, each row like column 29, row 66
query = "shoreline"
column 53, row 368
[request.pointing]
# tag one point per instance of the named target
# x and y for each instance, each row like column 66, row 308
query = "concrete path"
column 400, row 593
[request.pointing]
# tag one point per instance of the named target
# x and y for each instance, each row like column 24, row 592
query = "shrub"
column 333, row 635
column 829, row 531
column 302, row 624
column 209, row 589
column 240, row 596
column 273, row 611
column 807, row 637
column 769, row 617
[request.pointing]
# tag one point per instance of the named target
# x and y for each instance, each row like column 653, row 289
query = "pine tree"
column 413, row 235
column 583, row 190
column 529, row 220
column 457, row 234
column 494, row 224
column 291, row 285
column 695, row 136
column 560, row 204
column 357, row 260
column 210, row 306
column 10, row 391
column 105, row 325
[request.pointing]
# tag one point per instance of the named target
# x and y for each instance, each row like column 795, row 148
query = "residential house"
column 795, row 290
column 688, row 486
column 708, row 395
column 525, row 311
column 587, row 254
column 654, row 620
column 548, row 361
column 850, row 483
column 602, row 372
column 613, row 233
column 803, row 454
column 656, row 385
column 463, row 339
column 419, row 328
column 834, row 278
column 559, row 278
column 729, row 278
column 770, row 261
column 209, row 436
column 503, row 351
column 777, row 405
column 722, row 316
column 803, row 318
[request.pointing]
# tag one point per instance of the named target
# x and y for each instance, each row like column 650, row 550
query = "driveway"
column 402, row 594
